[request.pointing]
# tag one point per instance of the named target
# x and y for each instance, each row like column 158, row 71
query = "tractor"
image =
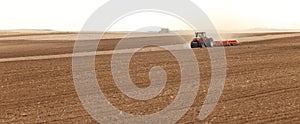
column 201, row 40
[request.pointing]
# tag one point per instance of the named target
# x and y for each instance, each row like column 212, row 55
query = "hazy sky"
column 225, row 14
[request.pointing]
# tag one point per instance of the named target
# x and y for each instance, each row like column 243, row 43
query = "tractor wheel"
column 194, row 44
column 201, row 44
column 210, row 42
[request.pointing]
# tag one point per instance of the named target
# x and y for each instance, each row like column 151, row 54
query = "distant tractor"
column 201, row 40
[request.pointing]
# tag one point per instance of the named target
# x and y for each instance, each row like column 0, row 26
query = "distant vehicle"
column 201, row 40
column 164, row 30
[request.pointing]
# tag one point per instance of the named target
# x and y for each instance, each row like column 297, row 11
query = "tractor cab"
column 201, row 34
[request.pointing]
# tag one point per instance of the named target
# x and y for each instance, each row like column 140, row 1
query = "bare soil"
column 262, row 84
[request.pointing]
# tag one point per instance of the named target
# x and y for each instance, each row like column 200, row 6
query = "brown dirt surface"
column 262, row 83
